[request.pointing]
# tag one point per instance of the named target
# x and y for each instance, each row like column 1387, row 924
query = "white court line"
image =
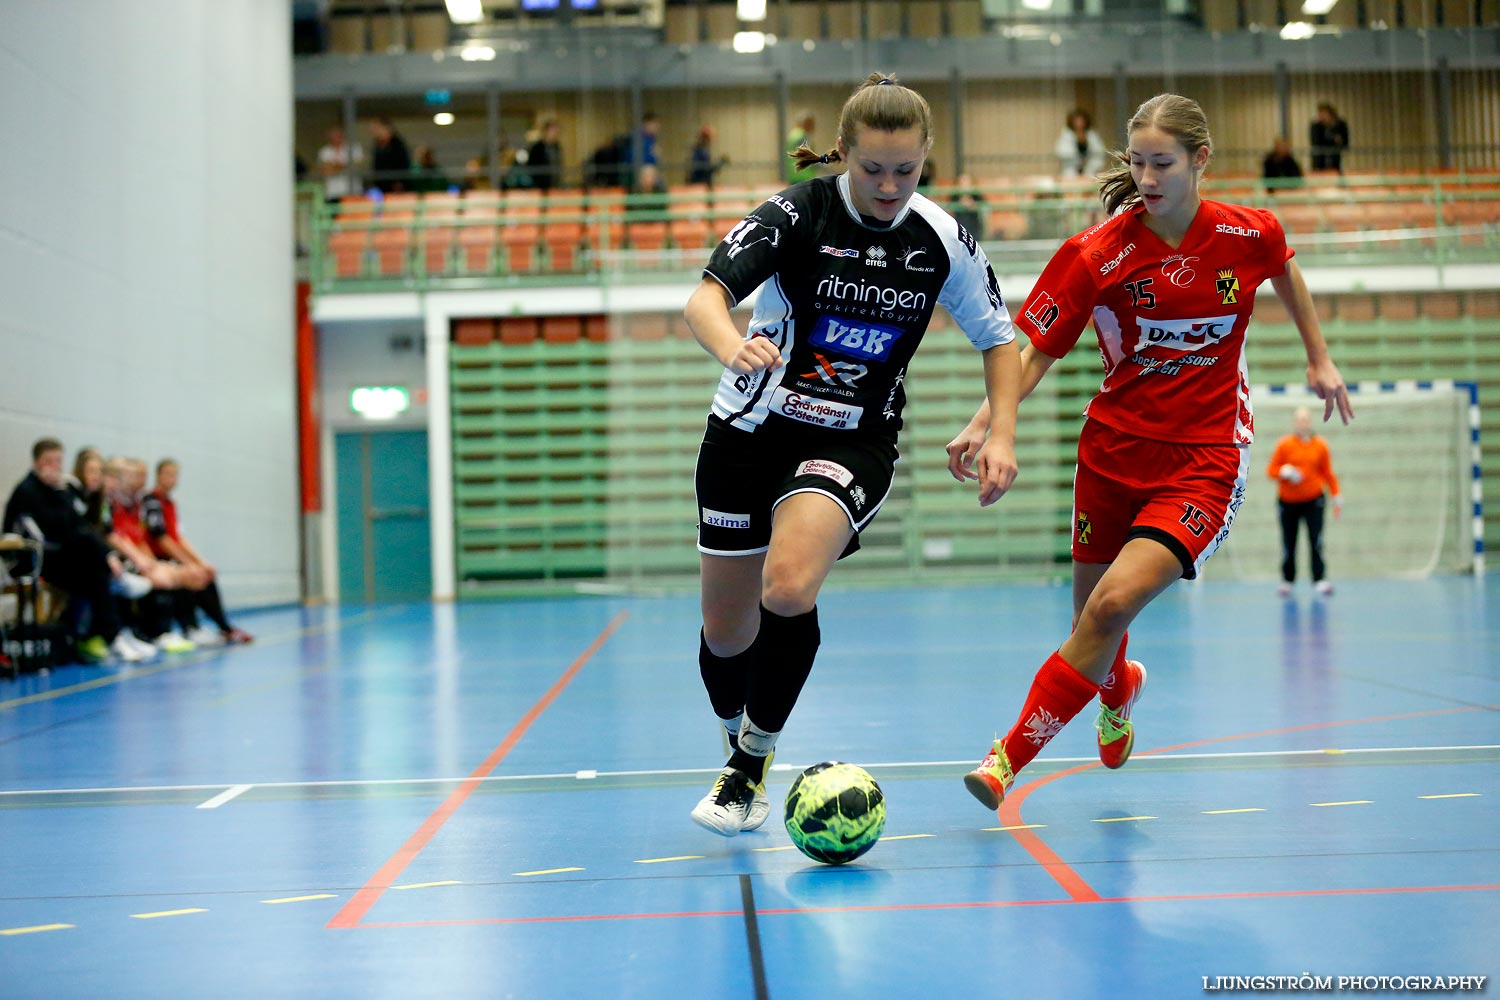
column 225, row 796
column 665, row 772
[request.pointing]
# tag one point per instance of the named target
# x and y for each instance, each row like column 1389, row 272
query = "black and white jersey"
column 847, row 303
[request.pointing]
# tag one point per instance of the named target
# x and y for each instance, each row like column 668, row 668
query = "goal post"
column 1409, row 471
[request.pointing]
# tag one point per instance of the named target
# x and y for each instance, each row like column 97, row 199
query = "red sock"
column 1109, row 694
column 1057, row 694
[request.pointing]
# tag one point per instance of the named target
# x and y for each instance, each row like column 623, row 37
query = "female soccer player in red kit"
column 1169, row 281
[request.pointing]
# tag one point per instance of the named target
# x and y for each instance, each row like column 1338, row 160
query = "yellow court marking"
column 657, row 861
column 301, row 899
column 1332, row 750
column 1351, row 802
column 1019, row 826
column 35, row 930
column 550, row 871
column 1122, row 819
column 908, row 836
column 1452, row 795
column 784, row 847
column 426, row 885
column 1226, row 812
column 168, row 913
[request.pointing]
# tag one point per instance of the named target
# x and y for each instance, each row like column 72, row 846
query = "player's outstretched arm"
column 996, row 460
column 707, row 315
column 1323, row 376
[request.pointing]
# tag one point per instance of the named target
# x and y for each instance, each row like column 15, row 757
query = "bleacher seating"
column 513, row 234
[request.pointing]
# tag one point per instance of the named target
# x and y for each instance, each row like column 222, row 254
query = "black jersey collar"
column 864, row 220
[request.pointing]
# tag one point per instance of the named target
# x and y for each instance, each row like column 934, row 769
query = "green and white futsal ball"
column 834, row 812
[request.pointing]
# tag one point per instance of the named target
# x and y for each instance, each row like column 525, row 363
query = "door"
column 385, row 541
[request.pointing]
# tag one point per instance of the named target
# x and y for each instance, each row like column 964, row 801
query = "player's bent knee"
column 1110, row 609
column 789, row 596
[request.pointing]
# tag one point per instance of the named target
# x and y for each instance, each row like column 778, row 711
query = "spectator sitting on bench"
column 75, row 560
column 168, row 612
column 160, row 515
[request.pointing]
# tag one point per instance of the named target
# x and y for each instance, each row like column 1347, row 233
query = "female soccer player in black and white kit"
column 801, row 443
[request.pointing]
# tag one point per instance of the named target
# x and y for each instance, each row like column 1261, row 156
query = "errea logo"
column 1237, row 230
column 875, row 257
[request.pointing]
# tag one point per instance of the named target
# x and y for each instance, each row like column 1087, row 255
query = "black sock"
column 208, row 600
column 785, row 650
column 725, row 678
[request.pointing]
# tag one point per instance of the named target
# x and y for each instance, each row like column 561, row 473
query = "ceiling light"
column 443, row 118
column 1315, row 8
column 749, row 41
column 1296, row 31
column 750, row 10
column 1037, row 4
column 465, row 11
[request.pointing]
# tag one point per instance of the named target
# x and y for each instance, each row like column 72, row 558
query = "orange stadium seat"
column 646, row 235
column 476, row 246
column 347, row 248
column 392, row 248
column 561, row 329
column 605, row 235
column 564, row 240
column 596, row 327
column 518, row 329
column 690, row 234
column 473, row 332
column 520, row 243
column 437, row 248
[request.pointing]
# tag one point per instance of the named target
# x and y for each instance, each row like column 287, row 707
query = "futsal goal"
column 1409, row 471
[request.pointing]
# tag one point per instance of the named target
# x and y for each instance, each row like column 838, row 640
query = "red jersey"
column 159, row 512
column 1171, row 322
column 127, row 522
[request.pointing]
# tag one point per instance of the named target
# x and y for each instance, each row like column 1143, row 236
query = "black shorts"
column 743, row 475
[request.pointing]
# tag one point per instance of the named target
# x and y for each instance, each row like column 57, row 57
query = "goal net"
column 1408, row 469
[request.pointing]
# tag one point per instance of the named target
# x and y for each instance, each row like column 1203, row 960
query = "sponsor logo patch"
column 861, row 292
column 826, row 469
column 1129, row 249
column 786, row 206
column 1179, row 270
column 1042, row 311
column 967, row 239
column 812, row 410
column 1237, row 230
column 837, row 251
column 863, row 340
column 875, row 257
column 1183, row 334
column 750, row 232
column 836, row 373
column 909, row 260
column 719, row 519
column 1228, row 286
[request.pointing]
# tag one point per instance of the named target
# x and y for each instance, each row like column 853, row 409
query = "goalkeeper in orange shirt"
column 1303, row 471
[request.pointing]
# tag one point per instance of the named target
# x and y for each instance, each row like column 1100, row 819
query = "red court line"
column 1009, row 813
column 996, row 904
column 1320, row 725
column 1071, row 882
column 383, row 879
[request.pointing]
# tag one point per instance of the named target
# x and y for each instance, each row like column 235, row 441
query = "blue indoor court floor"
column 490, row 799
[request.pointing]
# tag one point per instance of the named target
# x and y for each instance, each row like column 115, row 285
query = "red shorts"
column 1184, row 496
